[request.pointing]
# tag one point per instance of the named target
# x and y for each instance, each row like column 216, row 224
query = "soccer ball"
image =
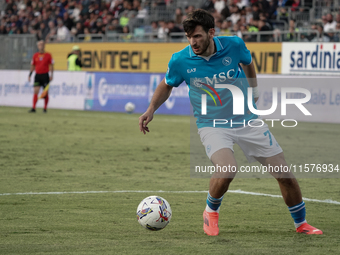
column 130, row 107
column 154, row 213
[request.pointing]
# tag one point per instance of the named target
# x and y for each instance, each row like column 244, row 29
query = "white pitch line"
column 327, row 201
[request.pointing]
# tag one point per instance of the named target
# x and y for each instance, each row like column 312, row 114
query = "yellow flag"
column 44, row 93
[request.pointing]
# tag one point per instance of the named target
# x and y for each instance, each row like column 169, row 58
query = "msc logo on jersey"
column 197, row 82
column 226, row 61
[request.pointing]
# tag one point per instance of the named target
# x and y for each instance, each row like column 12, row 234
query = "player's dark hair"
column 196, row 18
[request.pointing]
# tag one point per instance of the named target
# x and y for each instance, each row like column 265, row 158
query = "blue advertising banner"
column 111, row 92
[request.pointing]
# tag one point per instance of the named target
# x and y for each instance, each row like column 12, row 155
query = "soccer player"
column 204, row 64
column 42, row 63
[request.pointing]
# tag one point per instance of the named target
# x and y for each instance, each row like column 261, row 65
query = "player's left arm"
column 250, row 73
column 248, row 67
column 51, row 68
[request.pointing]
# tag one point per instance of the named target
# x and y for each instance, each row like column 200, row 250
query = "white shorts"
column 254, row 141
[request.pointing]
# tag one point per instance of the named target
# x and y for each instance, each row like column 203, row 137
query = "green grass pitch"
column 77, row 151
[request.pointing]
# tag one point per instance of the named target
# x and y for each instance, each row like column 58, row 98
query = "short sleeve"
column 173, row 77
column 51, row 60
column 245, row 56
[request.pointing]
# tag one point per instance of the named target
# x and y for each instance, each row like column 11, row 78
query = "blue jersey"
column 206, row 78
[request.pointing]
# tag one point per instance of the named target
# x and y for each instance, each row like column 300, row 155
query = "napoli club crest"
column 226, row 61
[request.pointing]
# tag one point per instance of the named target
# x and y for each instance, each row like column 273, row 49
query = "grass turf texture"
column 93, row 151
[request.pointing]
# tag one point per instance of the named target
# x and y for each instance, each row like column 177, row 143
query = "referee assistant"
column 42, row 62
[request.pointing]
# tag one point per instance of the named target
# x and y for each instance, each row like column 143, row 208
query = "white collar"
column 207, row 58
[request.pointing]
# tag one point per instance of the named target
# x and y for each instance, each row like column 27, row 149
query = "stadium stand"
column 160, row 20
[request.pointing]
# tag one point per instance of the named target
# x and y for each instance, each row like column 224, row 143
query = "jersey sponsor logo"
column 221, row 77
column 230, row 73
column 192, row 70
column 210, row 84
column 226, row 61
column 199, row 84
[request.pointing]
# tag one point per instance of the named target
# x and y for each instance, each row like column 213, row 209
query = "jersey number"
column 270, row 137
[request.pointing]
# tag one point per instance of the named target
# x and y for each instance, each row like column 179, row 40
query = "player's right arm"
column 32, row 68
column 161, row 94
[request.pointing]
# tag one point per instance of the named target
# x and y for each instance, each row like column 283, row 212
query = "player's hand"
column 144, row 121
column 51, row 77
column 29, row 78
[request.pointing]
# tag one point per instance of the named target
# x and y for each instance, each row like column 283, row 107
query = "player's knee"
column 224, row 183
column 227, row 181
column 224, row 176
column 287, row 182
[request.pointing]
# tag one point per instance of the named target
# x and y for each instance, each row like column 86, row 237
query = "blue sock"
column 298, row 213
column 214, row 203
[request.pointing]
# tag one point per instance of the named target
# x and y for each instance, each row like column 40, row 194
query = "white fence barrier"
column 67, row 90
column 70, row 90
